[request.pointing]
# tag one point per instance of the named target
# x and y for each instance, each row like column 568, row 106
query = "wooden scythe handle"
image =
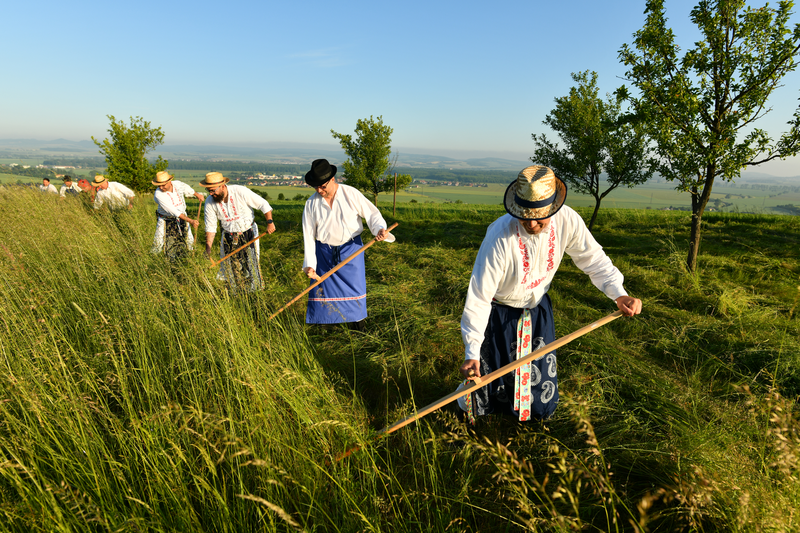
column 245, row 245
column 330, row 272
column 500, row 372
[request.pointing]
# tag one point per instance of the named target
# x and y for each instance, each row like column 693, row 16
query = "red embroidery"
column 225, row 213
column 551, row 252
column 345, row 299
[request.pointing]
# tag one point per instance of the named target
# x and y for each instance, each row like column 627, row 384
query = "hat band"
column 535, row 205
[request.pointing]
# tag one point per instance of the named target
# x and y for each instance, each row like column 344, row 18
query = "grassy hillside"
column 139, row 396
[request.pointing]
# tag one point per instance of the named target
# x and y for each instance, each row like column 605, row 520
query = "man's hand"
column 471, row 365
column 382, row 234
column 209, row 242
column 271, row 228
column 194, row 223
column 310, row 273
column 629, row 306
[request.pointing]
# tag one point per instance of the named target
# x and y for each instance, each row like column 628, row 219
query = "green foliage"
column 84, row 162
column 465, row 176
column 596, row 140
column 368, row 163
column 32, row 172
column 700, row 108
column 281, row 196
column 125, row 153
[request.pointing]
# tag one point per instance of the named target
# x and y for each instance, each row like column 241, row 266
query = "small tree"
column 125, row 153
column 698, row 105
column 597, row 139
column 368, row 165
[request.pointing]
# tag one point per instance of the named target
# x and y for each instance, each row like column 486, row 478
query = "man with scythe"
column 332, row 232
column 173, row 231
column 232, row 206
column 508, row 314
column 112, row 193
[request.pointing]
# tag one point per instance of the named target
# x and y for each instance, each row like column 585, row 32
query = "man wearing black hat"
column 508, row 314
column 331, row 232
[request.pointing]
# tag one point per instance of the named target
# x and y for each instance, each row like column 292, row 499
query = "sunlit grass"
column 135, row 395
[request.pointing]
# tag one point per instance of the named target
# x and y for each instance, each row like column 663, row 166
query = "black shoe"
column 359, row 326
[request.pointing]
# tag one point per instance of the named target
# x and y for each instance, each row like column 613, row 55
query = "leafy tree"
column 368, row 166
column 701, row 108
column 596, row 139
column 125, row 153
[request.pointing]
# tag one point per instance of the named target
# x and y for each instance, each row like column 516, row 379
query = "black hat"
column 321, row 172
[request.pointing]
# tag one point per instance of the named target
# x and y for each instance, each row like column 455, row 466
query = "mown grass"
column 135, row 395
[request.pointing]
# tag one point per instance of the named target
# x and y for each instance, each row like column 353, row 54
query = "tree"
column 597, row 139
column 700, row 109
column 368, row 166
column 125, row 153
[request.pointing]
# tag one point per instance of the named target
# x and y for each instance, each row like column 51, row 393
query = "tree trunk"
column 596, row 209
column 698, row 208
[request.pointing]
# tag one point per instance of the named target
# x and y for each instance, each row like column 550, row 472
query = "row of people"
column 507, row 313
column 332, row 227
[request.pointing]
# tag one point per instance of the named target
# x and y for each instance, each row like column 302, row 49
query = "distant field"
column 11, row 161
column 650, row 196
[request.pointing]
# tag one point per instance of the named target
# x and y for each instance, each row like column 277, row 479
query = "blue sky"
column 451, row 78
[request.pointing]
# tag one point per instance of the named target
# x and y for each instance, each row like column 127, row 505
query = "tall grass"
column 139, row 395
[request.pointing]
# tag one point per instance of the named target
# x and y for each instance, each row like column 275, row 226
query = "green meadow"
column 136, row 395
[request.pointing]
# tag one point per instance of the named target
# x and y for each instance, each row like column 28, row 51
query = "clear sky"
column 446, row 75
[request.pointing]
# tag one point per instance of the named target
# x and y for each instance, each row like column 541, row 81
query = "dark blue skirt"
column 343, row 296
column 499, row 348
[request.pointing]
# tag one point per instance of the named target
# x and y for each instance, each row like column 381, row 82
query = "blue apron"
column 499, row 349
column 343, row 296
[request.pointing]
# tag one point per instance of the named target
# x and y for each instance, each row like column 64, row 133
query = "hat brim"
column 160, row 183
column 524, row 213
column 207, row 185
column 314, row 181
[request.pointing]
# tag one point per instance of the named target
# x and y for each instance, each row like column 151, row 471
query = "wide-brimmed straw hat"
column 536, row 194
column 214, row 179
column 162, row 177
column 321, row 172
column 98, row 180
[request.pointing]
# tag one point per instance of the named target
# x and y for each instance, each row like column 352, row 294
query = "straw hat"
column 321, row 172
column 214, row 179
column 536, row 194
column 162, row 177
column 98, row 180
